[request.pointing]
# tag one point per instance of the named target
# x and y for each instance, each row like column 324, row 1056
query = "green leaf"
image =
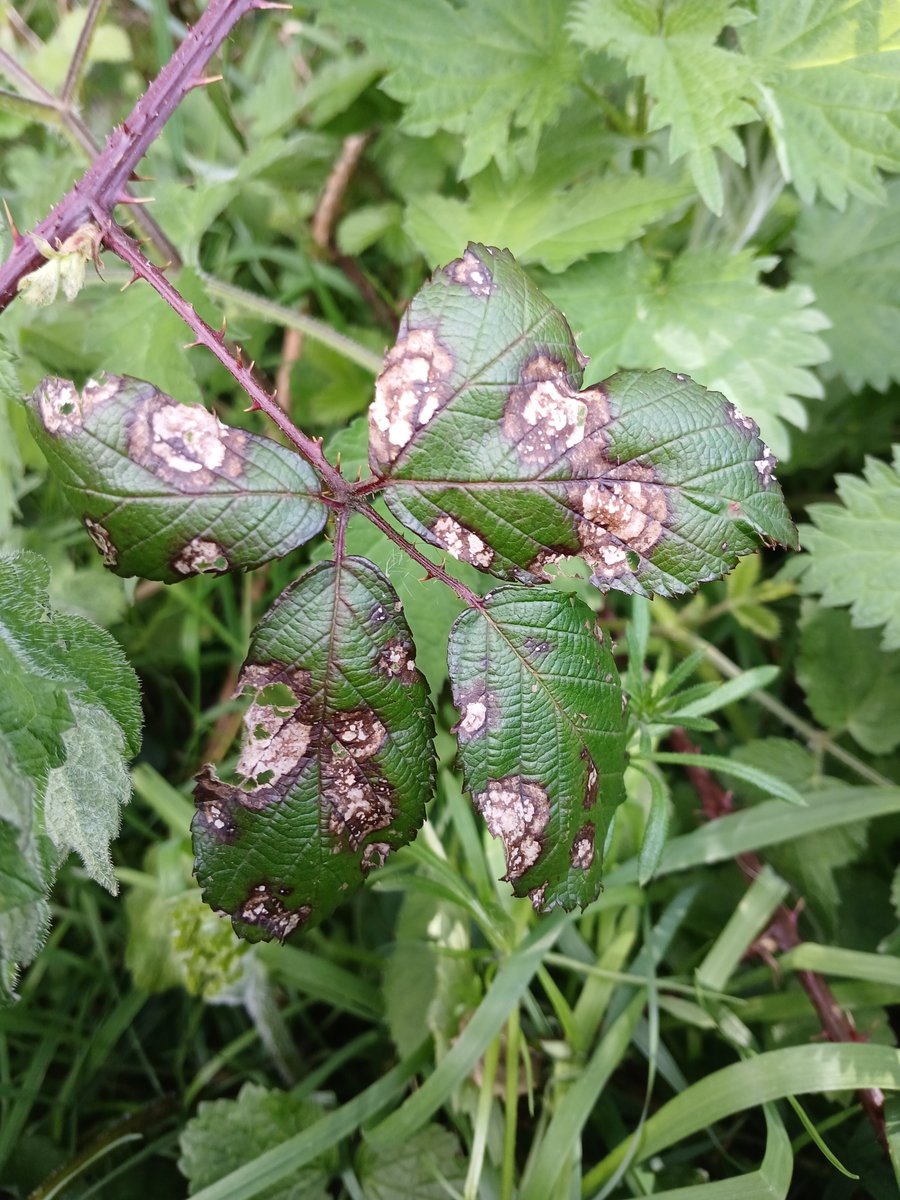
column 705, row 313
column 166, row 490
column 337, row 761
column 422, row 1168
column 698, row 89
column 826, row 75
column 541, row 737
column 493, row 454
column 854, row 549
column 850, row 682
column 69, row 712
column 851, row 260
column 488, row 71
column 225, row 1134
column 10, row 463
column 544, row 217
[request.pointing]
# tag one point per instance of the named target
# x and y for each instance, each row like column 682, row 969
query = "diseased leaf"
column 851, row 260
column 164, row 489
column 487, row 70
column 850, row 682
column 826, row 76
column 69, row 712
column 427, row 1166
column 698, row 89
column 541, row 737
column 708, row 314
column 337, row 762
column 854, row 549
column 226, row 1134
column 492, row 453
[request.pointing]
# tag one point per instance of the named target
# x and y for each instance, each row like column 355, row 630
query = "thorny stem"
column 117, row 240
column 468, row 597
column 782, row 935
column 103, row 185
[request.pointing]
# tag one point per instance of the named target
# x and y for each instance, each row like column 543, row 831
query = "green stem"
column 511, row 1100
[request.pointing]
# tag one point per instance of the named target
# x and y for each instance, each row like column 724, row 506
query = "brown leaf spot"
column 201, row 557
column 517, row 811
column 358, row 805
column 536, row 896
column 184, row 444
column 478, row 712
column 735, row 417
column 277, row 736
column 545, row 417
column 618, row 516
column 374, row 856
column 765, row 466
column 583, row 847
column 215, row 804
column 397, row 661
column 409, row 391
column 462, row 543
column 590, row 795
column 63, row 411
column 265, row 908
column 360, row 732
column 102, row 541
column 470, row 272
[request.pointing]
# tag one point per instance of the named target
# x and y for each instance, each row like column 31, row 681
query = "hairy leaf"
column 226, row 1134
column 708, row 313
column 541, row 737
column 69, row 712
column 854, row 548
column 337, row 762
column 850, row 682
column 698, row 89
column 425, row 1167
column 166, row 490
column 485, row 70
column 826, row 76
column 493, row 454
column 851, row 260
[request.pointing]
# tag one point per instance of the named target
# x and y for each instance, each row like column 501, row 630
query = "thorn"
column 221, row 334
column 165, row 267
column 255, row 406
column 134, row 177
column 134, row 278
column 16, row 236
column 240, row 360
column 252, row 365
column 426, row 578
column 359, row 474
column 337, row 464
column 204, row 81
column 124, row 198
column 191, row 345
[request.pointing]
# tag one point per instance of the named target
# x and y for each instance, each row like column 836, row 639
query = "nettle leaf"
column 710, row 313
column 851, row 260
column 697, row 88
column 491, row 452
column 541, row 737
column 69, row 715
column 854, row 548
column 826, row 75
column 337, row 762
column 484, row 70
column 166, row 490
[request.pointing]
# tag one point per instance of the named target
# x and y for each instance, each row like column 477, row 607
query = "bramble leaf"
column 698, row 89
column 427, row 1166
column 851, row 260
column 164, row 489
column 486, row 70
column 708, row 313
column 69, row 713
column 541, row 737
column 854, row 549
column 826, row 76
column 337, row 762
column 492, row 453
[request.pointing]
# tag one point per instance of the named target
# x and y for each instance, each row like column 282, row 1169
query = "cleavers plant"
column 481, row 443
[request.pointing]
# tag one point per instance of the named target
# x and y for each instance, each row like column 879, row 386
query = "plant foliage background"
column 705, row 187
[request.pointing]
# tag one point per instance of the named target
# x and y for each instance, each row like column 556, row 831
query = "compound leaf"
column 337, row 762
column 698, row 89
column 541, row 737
column 427, row 1166
column 484, row 70
column 492, row 453
column 854, row 548
column 166, row 490
column 851, row 260
column 826, row 75
column 69, row 713
column 709, row 313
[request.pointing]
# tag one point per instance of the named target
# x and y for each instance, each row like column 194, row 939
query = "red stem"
column 117, row 240
column 468, row 597
column 102, row 186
